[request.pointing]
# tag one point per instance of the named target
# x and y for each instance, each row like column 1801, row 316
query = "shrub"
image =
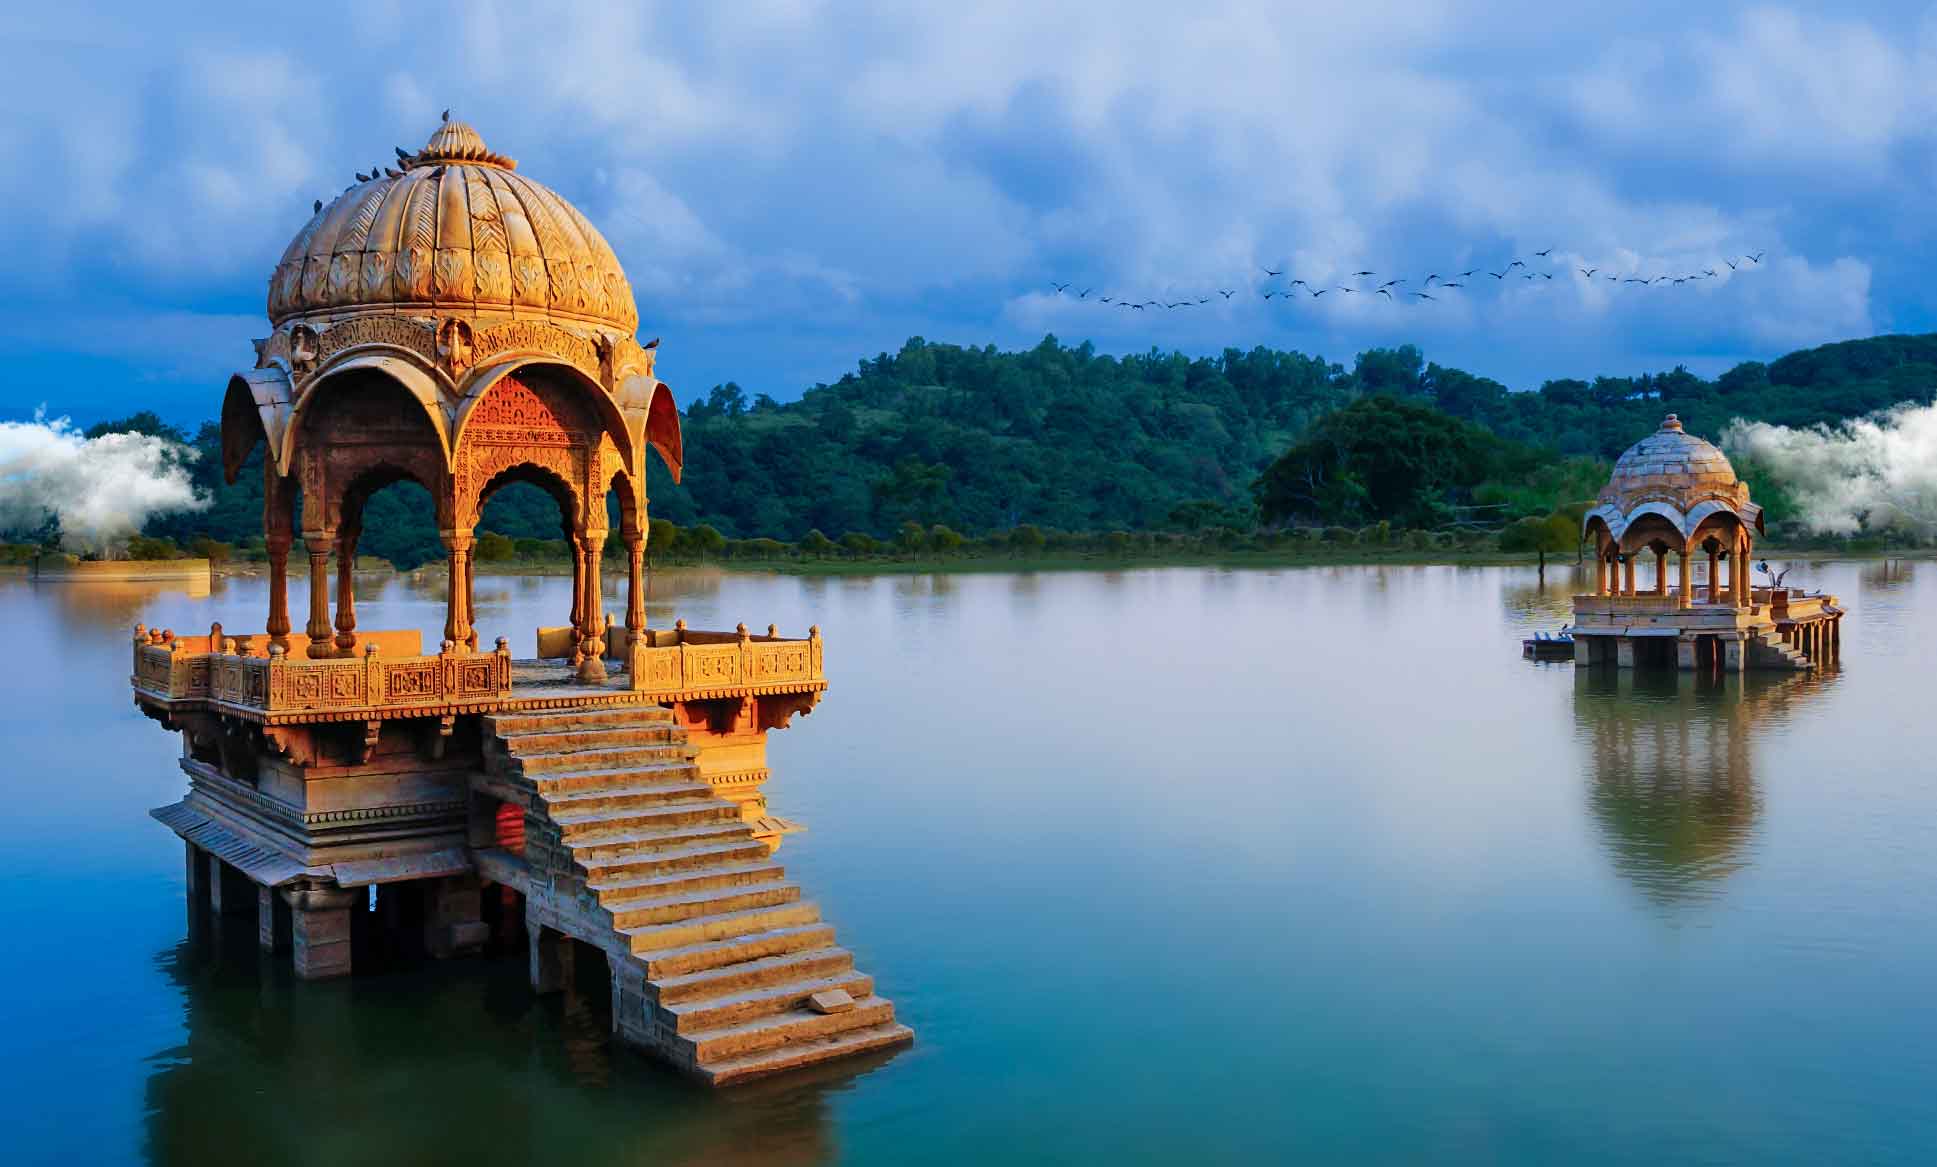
column 213, row 550
column 143, row 547
column 1342, row 536
column 860, row 543
column 1027, row 538
column 945, row 540
column 495, row 548
column 816, row 544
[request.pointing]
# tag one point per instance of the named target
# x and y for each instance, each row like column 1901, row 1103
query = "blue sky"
column 792, row 186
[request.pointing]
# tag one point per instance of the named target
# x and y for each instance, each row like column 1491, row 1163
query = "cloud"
column 100, row 489
column 769, row 170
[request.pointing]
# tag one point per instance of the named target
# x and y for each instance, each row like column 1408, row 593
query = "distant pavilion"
column 1674, row 493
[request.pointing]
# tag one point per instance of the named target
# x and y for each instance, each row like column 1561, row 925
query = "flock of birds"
column 1430, row 290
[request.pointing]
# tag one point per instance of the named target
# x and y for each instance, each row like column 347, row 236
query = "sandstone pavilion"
column 451, row 322
column 1674, row 494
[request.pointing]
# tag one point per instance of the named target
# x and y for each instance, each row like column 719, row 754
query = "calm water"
column 1163, row 867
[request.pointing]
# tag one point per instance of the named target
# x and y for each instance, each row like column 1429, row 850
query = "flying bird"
column 1452, row 285
column 1708, row 271
column 1544, row 254
column 1498, row 275
column 1386, row 292
column 1228, row 295
column 1084, row 294
column 1346, row 290
column 1731, row 264
column 1269, row 272
column 1059, row 287
column 1356, row 274
column 1389, row 283
column 1588, row 271
column 446, row 116
column 1419, row 295
column 1756, row 258
column 1104, row 300
column 1469, row 271
column 1516, row 263
column 1632, row 280
column 1320, row 292
column 1296, row 283
column 1431, row 278
column 1546, row 275
column 1268, row 295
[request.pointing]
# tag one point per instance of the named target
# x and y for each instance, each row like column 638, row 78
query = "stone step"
column 712, row 954
column 765, row 1033
column 524, row 745
column 725, row 926
column 612, row 847
column 783, row 969
column 535, row 766
column 615, row 871
column 720, row 1012
column 705, row 903
column 560, row 781
column 626, row 793
column 623, row 893
column 543, row 721
column 800, row 1054
column 595, row 827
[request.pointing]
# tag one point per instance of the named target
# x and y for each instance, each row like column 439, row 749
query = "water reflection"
column 119, row 604
column 422, row 1066
column 1672, row 759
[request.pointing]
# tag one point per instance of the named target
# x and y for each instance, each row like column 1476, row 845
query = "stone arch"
column 567, row 382
column 373, row 434
column 420, row 385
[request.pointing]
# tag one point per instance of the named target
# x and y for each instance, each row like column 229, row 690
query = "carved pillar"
column 1738, row 574
column 317, row 543
column 578, row 590
column 1661, row 571
column 457, row 606
column 1714, row 574
column 346, row 591
column 635, row 603
column 1686, row 570
column 320, row 928
column 278, row 623
column 1627, row 576
column 592, row 630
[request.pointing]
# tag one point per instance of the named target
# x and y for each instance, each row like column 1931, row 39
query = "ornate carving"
column 302, row 350
column 536, row 336
column 395, row 331
column 454, row 346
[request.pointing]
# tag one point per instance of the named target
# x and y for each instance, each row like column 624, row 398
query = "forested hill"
column 1063, row 438
column 1066, row 438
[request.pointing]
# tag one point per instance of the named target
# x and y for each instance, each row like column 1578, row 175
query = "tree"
column 1541, row 534
column 816, row 544
column 495, row 548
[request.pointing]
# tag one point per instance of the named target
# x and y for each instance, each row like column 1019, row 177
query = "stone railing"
column 190, row 669
column 1647, row 603
column 683, row 665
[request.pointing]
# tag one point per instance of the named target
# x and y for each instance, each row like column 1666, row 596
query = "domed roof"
column 1672, row 463
column 453, row 229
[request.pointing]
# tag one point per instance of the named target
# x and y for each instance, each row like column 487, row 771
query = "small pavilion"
column 1673, row 493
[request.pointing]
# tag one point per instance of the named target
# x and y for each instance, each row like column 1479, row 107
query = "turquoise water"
column 1163, row 866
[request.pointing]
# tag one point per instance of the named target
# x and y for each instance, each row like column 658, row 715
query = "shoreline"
column 1078, row 562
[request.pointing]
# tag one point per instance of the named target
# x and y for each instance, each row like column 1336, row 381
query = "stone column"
column 1627, row 577
column 592, row 631
column 318, row 545
column 1685, row 646
column 346, row 591
column 1685, row 572
column 1661, row 572
column 1714, row 576
column 551, row 958
column 578, row 591
column 635, row 601
column 320, row 928
column 272, row 920
column 453, row 917
column 457, row 607
column 1732, row 653
column 1623, row 652
column 277, row 625
column 1600, row 574
column 228, row 889
column 198, row 881
column 1738, row 576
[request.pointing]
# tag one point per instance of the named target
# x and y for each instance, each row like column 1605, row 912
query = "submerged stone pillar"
column 1732, row 653
column 1685, row 650
column 320, row 929
column 551, row 959
column 198, row 881
column 272, row 920
column 453, row 917
column 228, row 889
column 1623, row 652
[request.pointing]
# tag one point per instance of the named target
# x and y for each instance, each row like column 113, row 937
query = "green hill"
column 1066, row 438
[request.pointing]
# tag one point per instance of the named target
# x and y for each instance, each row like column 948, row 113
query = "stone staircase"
column 1767, row 651
column 716, row 959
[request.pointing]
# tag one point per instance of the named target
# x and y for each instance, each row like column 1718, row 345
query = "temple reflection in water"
column 1672, row 766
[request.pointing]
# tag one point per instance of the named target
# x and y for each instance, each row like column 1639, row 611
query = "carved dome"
column 1671, row 464
column 454, row 230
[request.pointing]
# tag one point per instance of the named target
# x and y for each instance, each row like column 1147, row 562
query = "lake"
column 1163, row 866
